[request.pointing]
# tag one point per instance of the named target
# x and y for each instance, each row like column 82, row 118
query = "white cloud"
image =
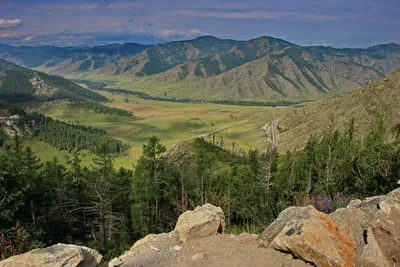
column 179, row 33
column 320, row 44
column 5, row 23
column 6, row 35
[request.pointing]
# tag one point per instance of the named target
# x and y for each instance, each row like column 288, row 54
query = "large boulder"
column 59, row 255
column 202, row 221
column 374, row 224
column 310, row 235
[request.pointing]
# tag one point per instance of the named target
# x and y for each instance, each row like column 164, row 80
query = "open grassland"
column 172, row 122
column 47, row 152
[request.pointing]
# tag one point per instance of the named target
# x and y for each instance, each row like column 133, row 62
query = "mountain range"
column 207, row 67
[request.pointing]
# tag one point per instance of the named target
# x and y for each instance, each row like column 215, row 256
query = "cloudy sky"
column 338, row 23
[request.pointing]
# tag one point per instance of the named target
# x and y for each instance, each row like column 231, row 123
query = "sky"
column 337, row 23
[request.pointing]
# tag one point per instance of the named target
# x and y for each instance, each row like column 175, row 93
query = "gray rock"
column 59, row 255
column 375, row 228
column 198, row 256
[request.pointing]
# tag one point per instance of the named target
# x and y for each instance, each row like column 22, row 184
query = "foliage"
column 74, row 205
column 74, row 137
column 47, row 203
column 101, row 87
column 64, row 136
column 16, row 84
column 102, row 109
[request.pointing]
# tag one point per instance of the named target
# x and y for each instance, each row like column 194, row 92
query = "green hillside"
column 17, row 83
column 61, row 135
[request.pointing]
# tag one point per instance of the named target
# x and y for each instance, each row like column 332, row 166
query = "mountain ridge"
column 264, row 68
column 18, row 83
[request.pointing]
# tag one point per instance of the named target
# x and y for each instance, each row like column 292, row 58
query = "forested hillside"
column 17, row 83
column 61, row 135
column 109, row 209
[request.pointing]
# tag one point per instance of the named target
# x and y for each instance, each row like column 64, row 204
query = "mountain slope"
column 18, row 83
column 82, row 58
column 284, row 71
column 264, row 68
column 335, row 112
column 154, row 59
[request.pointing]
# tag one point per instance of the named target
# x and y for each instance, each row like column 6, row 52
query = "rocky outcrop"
column 59, row 255
column 202, row 221
column 310, row 235
column 374, row 224
column 365, row 233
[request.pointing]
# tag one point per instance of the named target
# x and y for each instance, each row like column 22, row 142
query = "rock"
column 144, row 240
column 177, row 248
column 354, row 203
column 151, row 245
column 198, row 256
column 59, row 255
column 375, row 228
column 310, row 235
column 203, row 221
column 116, row 262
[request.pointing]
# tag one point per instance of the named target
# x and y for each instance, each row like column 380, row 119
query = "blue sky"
column 338, row 23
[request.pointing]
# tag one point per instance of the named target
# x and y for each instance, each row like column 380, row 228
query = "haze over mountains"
column 264, row 68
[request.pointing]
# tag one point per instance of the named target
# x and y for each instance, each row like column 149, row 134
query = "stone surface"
column 212, row 251
column 374, row 224
column 201, row 222
column 198, row 256
column 59, row 255
column 116, row 262
column 310, row 235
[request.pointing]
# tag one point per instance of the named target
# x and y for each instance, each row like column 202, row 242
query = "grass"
column 172, row 122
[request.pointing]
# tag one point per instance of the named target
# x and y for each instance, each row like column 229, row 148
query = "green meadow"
column 172, row 122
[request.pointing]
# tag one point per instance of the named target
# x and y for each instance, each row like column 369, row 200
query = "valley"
column 239, row 127
column 236, row 127
column 171, row 122
column 105, row 145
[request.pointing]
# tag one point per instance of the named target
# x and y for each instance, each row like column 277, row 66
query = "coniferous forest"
column 107, row 209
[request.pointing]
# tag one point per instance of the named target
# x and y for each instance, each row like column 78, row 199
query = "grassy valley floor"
column 170, row 121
